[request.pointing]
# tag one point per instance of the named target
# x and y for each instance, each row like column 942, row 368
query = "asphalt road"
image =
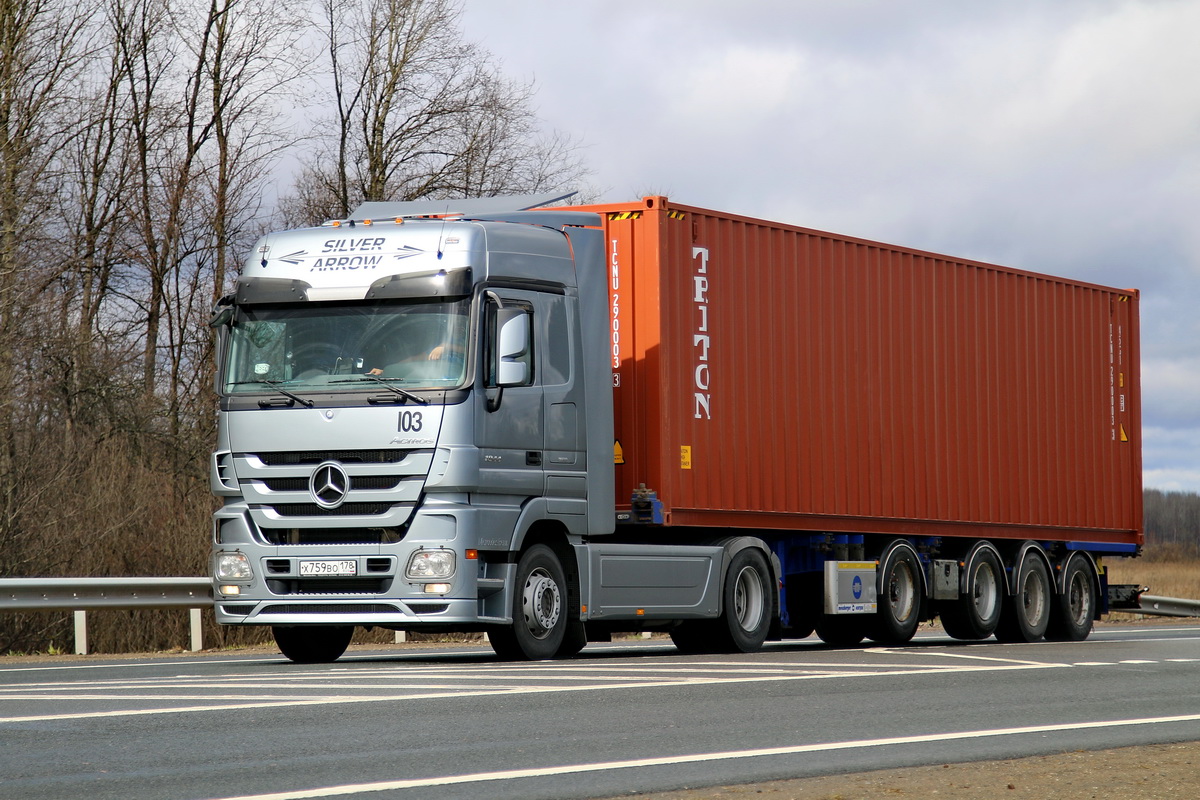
column 633, row 717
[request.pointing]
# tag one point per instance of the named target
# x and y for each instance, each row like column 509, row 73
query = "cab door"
column 510, row 411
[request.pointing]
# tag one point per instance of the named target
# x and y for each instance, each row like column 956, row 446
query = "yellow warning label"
column 618, row 452
column 685, row 457
column 1124, row 437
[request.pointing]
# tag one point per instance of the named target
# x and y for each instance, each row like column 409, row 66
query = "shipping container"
column 774, row 377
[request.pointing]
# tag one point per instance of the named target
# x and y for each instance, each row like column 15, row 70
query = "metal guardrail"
column 1167, row 606
column 83, row 594
column 1131, row 598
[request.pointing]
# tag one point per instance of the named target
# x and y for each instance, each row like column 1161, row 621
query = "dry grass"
column 1167, row 573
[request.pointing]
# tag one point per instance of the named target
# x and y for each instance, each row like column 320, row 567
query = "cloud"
column 1169, row 457
column 1061, row 138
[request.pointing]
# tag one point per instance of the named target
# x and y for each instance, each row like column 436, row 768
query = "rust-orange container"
column 770, row 376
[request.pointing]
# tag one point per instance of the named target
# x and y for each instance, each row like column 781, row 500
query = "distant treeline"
column 1172, row 524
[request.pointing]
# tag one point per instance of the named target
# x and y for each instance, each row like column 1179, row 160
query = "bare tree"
column 39, row 50
column 421, row 113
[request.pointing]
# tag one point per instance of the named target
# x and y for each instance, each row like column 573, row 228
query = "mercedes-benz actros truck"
column 553, row 424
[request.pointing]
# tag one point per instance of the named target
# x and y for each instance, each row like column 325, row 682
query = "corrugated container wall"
column 769, row 376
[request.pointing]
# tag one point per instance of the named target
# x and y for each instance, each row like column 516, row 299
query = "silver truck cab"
column 403, row 400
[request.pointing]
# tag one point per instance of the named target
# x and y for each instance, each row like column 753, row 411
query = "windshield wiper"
column 407, row 395
column 273, row 385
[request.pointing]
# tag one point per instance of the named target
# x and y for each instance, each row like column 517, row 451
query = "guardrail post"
column 81, row 633
column 197, row 631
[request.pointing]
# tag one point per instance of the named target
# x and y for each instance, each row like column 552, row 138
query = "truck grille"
column 313, row 608
column 357, row 482
column 283, row 536
column 344, row 510
column 329, row 586
column 344, row 456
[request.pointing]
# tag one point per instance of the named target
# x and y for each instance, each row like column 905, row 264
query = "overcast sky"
column 1057, row 137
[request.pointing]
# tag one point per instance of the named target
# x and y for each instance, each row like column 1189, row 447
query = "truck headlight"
column 426, row 564
column 233, row 567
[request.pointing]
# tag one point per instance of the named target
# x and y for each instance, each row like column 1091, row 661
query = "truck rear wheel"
column 747, row 611
column 1072, row 612
column 975, row 614
column 1026, row 613
column 539, row 610
column 694, row 636
column 313, row 644
column 747, row 603
column 899, row 594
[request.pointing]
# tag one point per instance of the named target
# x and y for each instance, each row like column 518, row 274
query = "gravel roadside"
column 1155, row 772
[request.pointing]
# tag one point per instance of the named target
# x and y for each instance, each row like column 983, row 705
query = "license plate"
column 328, row 567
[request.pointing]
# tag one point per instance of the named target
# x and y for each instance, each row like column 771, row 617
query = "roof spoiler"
column 467, row 206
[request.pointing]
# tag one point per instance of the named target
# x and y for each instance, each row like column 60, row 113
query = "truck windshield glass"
column 348, row 346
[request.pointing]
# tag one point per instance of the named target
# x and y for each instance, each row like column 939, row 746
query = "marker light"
column 437, row 588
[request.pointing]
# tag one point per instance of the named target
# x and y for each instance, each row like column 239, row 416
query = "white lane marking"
column 971, row 657
column 342, row 699
column 268, row 658
column 1095, row 663
column 1138, row 661
column 569, row 769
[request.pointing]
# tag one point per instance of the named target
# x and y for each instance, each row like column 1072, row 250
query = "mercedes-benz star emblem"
column 329, row 484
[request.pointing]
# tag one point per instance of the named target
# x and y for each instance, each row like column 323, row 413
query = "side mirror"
column 512, row 346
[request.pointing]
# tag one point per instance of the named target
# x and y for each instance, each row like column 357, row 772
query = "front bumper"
column 379, row 593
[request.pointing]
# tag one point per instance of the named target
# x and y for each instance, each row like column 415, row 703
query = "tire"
column 693, row 637
column 976, row 613
column 539, row 609
column 899, row 597
column 574, row 640
column 313, row 644
column 804, row 601
column 1073, row 611
column 748, row 604
column 842, row 630
column 1026, row 613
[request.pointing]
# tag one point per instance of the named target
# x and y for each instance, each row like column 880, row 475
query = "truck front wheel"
column 313, row 644
column 539, row 609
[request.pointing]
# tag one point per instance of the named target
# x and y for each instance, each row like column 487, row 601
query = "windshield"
column 331, row 347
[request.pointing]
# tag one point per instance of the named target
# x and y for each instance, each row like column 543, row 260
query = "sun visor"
column 443, row 283
column 251, row 291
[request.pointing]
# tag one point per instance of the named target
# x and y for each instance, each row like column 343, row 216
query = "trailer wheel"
column 539, row 613
column 1072, row 612
column 747, row 602
column 976, row 613
column 899, row 591
column 313, row 644
column 1026, row 613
